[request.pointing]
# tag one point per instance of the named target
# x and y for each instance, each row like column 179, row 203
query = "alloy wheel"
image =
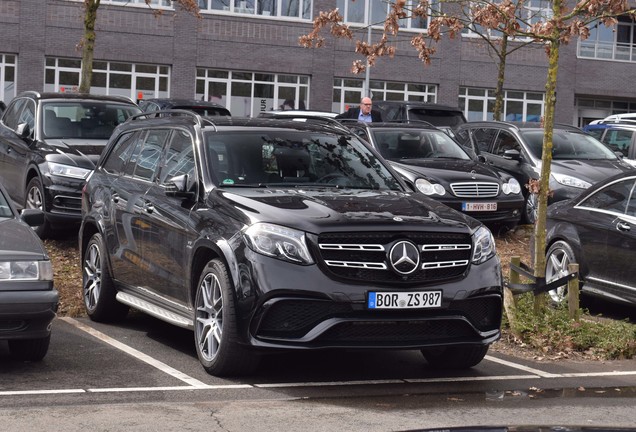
column 209, row 317
column 92, row 276
column 557, row 267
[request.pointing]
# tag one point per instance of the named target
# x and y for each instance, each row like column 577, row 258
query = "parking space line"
column 469, row 379
column 541, row 373
column 40, row 392
column 136, row 354
column 330, row 383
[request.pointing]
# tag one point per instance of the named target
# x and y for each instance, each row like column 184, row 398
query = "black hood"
column 591, row 170
column 318, row 210
column 74, row 151
column 18, row 240
column 448, row 170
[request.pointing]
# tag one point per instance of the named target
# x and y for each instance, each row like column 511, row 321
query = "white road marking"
column 137, row 354
column 541, row 373
column 194, row 384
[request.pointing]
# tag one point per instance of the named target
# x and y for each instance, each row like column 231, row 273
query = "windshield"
column 294, row 158
column 83, row 119
column 416, row 144
column 567, row 145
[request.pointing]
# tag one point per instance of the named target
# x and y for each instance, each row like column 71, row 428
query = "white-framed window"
column 375, row 12
column 167, row 4
column 348, row 92
column 7, row 77
column 616, row 43
column 137, row 81
column 300, row 9
column 246, row 94
column 532, row 12
column 478, row 104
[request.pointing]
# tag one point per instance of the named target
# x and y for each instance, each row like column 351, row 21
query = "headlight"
column 428, row 188
column 26, row 270
column 68, row 171
column 483, row 245
column 567, row 180
column 279, row 242
column 511, row 187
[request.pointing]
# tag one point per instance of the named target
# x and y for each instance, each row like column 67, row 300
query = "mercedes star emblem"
column 404, row 257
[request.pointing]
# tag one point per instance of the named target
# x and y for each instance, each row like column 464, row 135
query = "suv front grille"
column 363, row 257
column 475, row 190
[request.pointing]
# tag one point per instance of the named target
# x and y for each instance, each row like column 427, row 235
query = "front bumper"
column 299, row 307
column 27, row 314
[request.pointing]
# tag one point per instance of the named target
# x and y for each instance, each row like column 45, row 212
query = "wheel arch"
column 203, row 253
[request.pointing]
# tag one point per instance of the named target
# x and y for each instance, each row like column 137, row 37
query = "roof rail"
column 174, row 112
column 31, row 92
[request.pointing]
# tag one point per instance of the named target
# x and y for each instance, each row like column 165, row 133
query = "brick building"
column 245, row 55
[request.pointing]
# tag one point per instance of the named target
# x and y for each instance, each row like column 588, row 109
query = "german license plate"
column 491, row 206
column 404, row 300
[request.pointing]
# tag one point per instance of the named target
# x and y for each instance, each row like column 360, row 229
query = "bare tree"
column 566, row 20
column 87, row 44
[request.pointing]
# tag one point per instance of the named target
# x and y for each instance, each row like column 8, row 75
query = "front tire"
column 455, row 357
column 530, row 209
column 98, row 289
column 559, row 256
column 29, row 349
column 215, row 325
column 35, row 200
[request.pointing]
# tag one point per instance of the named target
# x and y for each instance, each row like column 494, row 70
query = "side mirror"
column 512, row 155
column 32, row 217
column 619, row 154
column 178, row 187
column 23, row 130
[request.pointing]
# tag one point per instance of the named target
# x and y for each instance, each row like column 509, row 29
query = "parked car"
column 412, row 111
column 620, row 137
column 263, row 234
column 204, row 108
column 442, row 169
column 28, row 299
column 49, row 143
column 597, row 230
column 297, row 114
column 578, row 159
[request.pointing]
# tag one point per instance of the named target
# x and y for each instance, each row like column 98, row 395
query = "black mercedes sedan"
column 597, row 230
column 28, row 300
column 440, row 168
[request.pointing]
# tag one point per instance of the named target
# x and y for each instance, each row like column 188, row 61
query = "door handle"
column 623, row 226
column 115, row 198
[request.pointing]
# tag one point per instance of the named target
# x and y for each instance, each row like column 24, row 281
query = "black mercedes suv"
column 262, row 234
column 49, row 143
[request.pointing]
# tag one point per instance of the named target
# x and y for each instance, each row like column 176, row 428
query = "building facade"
column 245, row 55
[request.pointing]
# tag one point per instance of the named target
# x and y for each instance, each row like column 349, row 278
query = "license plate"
column 479, row 206
column 404, row 300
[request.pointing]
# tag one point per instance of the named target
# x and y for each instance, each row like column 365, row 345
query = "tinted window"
column 567, row 145
column 619, row 140
column 148, row 158
column 12, row 113
column 437, row 117
column 614, row 198
column 505, row 141
column 179, row 156
column 483, row 138
column 116, row 160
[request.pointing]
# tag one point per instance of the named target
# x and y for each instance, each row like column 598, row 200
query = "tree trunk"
column 546, row 159
column 501, row 74
column 88, row 45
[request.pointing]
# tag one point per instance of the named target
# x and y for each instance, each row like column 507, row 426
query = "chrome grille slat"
column 356, row 264
column 443, row 264
column 475, row 190
column 356, row 247
column 445, row 247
